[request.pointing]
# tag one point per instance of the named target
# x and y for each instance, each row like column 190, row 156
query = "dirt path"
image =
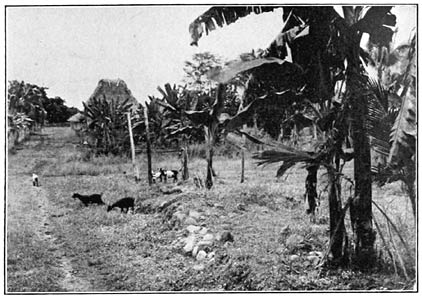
column 31, row 241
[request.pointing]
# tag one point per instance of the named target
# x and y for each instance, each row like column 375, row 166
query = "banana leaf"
column 403, row 134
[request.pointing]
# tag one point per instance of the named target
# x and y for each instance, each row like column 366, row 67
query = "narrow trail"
column 29, row 209
column 70, row 282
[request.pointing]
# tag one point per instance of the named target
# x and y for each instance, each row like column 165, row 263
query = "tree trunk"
column 337, row 229
column 148, row 147
column 242, row 172
column 361, row 206
column 208, row 182
column 132, row 146
column 185, row 170
column 311, row 190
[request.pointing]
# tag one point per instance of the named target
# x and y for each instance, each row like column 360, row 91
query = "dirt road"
column 35, row 261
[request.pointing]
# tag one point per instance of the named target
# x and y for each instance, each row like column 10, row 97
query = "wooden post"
column 242, row 173
column 148, row 145
column 132, row 145
column 184, row 160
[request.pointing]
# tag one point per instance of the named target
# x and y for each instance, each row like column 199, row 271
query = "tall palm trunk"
column 337, row 228
column 361, row 207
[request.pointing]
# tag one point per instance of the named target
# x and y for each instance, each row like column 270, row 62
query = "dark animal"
column 124, row 204
column 169, row 174
column 35, row 181
column 89, row 199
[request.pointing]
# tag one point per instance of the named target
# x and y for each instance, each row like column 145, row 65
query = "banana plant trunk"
column 242, row 172
column 209, row 182
column 209, row 135
column 311, row 189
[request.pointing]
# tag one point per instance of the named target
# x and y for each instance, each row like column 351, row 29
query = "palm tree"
column 392, row 115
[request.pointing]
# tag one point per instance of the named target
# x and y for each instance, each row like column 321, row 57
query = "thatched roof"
column 113, row 89
column 76, row 118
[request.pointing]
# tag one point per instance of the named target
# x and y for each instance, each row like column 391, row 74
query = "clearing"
column 54, row 244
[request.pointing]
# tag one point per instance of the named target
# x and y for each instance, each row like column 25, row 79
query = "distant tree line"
column 32, row 101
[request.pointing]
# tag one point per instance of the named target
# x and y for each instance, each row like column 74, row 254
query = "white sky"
column 69, row 49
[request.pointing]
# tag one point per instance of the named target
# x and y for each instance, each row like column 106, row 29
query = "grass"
column 135, row 252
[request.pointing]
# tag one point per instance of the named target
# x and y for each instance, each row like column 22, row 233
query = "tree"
column 107, row 124
column 28, row 99
column 326, row 46
column 196, row 70
column 57, row 111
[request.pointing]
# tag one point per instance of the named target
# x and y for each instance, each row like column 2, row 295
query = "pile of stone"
column 196, row 240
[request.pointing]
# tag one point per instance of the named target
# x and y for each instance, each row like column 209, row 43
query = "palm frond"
column 220, row 16
column 285, row 154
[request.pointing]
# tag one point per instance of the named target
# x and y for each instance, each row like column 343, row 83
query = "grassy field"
column 55, row 244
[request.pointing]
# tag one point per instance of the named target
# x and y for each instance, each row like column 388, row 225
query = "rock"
column 211, row 255
column 220, row 206
column 204, row 244
column 208, row 237
column 179, row 216
column 193, row 228
column 201, row 256
column 294, row 258
column 195, row 251
column 313, row 259
column 198, row 267
column 181, row 209
column 286, row 230
column 294, row 240
column 190, row 221
column 169, row 191
column 167, row 203
column 203, row 231
column 316, row 253
column 225, row 237
column 194, row 214
column 190, row 243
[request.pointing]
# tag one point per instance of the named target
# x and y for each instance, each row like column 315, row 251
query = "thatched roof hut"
column 113, row 89
column 76, row 118
column 77, row 122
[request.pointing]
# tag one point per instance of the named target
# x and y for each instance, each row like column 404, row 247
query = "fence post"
column 242, row 173
column 132, row 145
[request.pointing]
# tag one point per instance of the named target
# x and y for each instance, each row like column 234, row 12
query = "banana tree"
column 176, row 125
column 213, row 118
column 107, row 123
column 326, row 46
column 28, row 99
